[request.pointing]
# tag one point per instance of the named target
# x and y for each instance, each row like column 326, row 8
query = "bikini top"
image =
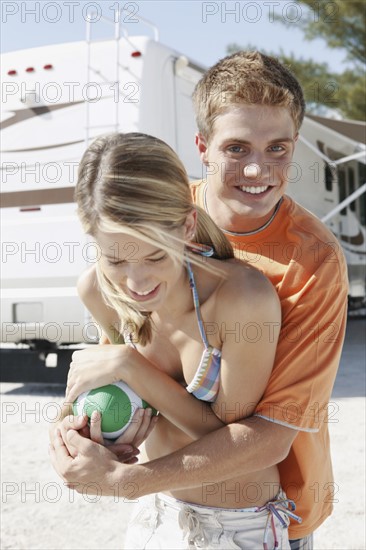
column 206, row 382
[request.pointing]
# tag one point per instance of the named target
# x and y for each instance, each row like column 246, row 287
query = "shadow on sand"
column 350, row 381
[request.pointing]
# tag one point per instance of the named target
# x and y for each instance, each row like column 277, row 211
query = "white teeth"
column 254, row 190
column 144, row 293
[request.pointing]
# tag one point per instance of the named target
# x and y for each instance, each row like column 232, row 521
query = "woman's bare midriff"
column 254, row 489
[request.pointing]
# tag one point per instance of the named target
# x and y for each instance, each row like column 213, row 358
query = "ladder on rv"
column 119, row 32
column 334, row 163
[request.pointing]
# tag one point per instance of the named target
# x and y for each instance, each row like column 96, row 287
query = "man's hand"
column 88, row 467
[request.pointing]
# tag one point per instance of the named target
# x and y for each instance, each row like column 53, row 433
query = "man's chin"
column 248, row 217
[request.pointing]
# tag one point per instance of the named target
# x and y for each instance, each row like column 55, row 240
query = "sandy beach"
column 39, row 513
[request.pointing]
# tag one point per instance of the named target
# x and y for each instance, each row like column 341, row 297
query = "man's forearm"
column 237, row 449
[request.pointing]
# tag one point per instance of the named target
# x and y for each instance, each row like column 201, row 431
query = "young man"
column 249, row 110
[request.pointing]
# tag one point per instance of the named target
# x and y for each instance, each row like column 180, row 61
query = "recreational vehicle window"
column 342, row 188
column 361, row 201
column 328, row 177
column 351, row 184
column 329, row 173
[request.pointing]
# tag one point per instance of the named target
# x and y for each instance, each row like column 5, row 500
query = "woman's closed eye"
column 115, row 263
column 159, row 259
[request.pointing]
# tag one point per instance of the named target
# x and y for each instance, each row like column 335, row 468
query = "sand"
column 39, row 513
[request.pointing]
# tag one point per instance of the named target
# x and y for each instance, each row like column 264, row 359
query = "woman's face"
column 144, row 272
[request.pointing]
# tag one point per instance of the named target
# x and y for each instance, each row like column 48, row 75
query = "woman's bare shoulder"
column 247, row 292
column 91, row 296
column 87, row 285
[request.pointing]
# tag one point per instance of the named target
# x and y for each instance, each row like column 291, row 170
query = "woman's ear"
column 201, row 145
column 190, row 225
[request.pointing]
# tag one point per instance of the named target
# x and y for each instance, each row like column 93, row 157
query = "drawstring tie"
column 274, row 507
column 191, row 526
column 189, row 522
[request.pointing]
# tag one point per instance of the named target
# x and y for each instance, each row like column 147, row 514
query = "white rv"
column 54, row 100
column 329, row 179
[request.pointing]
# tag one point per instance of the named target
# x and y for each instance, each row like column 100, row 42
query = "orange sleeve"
column 308, row 352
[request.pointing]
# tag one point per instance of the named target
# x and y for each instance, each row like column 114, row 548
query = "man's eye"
column 235, row 149
column 277, row 148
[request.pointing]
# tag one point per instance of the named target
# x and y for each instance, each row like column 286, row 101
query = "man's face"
column 247, row 160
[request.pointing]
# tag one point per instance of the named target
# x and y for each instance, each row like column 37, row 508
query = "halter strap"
column 196, row 303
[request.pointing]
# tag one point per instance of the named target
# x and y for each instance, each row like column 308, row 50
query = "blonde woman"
column 201, row 330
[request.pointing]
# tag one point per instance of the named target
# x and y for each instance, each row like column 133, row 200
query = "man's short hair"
column 250, row 78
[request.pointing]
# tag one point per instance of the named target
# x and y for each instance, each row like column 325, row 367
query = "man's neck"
column 231, row 223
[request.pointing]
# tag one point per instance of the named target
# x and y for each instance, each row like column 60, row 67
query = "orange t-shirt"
column 305, row 263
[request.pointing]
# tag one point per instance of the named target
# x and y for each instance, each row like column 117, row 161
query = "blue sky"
column 199, row 29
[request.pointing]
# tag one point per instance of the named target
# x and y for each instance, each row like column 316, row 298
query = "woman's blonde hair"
column 135, row 183
column 249, row 78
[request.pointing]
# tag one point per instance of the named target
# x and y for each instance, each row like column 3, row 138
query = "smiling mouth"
column 254, row 190
column 144, row 295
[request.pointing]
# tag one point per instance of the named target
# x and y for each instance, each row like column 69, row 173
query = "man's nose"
column 252, row 171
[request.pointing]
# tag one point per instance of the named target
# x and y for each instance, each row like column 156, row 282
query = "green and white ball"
column 116, row 403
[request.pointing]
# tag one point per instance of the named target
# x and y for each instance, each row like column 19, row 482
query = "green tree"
column 342, row 24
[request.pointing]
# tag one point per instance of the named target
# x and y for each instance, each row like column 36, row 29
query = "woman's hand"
column 95, row 366
column 141, row 426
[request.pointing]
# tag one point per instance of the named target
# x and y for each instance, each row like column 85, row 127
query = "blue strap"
column 196, row 303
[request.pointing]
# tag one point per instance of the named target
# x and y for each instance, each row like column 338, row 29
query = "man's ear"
column 202, row 146
column 296, row 137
